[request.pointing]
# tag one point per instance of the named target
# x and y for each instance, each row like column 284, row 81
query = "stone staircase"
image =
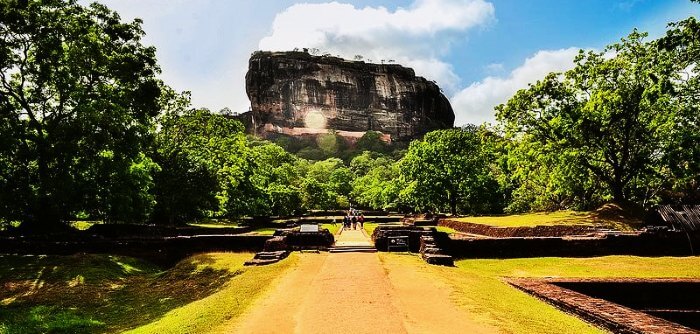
column 263, row 258
column 433, row 254
column 352, row 249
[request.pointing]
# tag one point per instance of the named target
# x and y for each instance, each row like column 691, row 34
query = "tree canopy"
column 78, row 92
column 618, row 113
column 447, row 169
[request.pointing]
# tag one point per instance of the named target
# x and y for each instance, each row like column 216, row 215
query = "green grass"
column 370, row 227
column 213, row 313
column 565, row 217
column 83, row 225
column 479, row 286
column 215, row 223
column 446, row 230
column 332, row 228
column 107, row 294
column 265, row 230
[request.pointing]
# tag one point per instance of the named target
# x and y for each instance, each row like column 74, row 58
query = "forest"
column 88, row 131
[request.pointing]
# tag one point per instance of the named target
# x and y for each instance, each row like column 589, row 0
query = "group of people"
column 353, row 219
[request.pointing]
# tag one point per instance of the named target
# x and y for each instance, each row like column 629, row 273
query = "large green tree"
column 186, row 183
column 682, row 41
column 375, row 183
column 613, row 114
column 448, row 169
column 78, row 93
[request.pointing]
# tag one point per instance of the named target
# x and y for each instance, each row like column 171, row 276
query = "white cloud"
column 475, row 103
column 416, row 36
column 197, row 47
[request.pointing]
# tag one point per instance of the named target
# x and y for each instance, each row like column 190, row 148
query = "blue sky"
column 479, row 51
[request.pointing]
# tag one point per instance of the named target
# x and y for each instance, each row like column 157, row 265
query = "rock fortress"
column 296, row 93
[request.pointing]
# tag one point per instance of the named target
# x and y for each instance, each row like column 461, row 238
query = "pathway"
column 355, row 293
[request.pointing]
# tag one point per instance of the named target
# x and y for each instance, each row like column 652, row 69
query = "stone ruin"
column 286, row 240
column 424, row 240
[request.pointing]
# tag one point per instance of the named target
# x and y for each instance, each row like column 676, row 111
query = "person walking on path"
column 361, row 220
column 354, row 222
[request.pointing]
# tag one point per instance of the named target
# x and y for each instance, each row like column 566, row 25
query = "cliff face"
column 296, row 93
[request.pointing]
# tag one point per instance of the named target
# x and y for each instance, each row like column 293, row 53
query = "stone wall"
column 643, row 244
column 509, row 232
column 164, row 251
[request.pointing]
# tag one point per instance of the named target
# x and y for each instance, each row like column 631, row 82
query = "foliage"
column 682, row 40
column 376, row 180
column 372, row 141
column 603, row 128
column 186, row 185
column 448, row 169
column 77, row 96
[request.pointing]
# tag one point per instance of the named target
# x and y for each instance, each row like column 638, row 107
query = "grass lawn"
column 370, row 227
column 566, row 217
column 446, row 229
column 108, row 294
column 480, row 289
column 265, row 230
column 215, row 223
column 332, row 228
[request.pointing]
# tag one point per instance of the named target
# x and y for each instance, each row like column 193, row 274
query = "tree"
column 682, row 41
column 613, row 115
column 543, row 180
column 374, row 182
column 186, row 184
column 447, row 170
column 372, row 141
column 277, row 179
column 79, row 93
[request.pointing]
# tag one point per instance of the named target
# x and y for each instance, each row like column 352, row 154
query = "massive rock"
column 296, row 93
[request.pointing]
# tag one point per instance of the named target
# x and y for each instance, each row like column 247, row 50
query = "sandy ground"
column 357, row 293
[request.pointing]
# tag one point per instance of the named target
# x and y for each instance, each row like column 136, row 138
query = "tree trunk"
column 453, row 204
column 618, row 193
column 45, row 216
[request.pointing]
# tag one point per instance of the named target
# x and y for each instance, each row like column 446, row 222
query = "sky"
column 480, row 52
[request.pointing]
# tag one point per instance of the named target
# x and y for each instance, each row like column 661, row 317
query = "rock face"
column 296, row 93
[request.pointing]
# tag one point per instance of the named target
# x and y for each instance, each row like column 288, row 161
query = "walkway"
column 355, row 293
column 353, row 238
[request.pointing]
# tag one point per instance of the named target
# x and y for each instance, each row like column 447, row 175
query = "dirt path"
column 356, row 293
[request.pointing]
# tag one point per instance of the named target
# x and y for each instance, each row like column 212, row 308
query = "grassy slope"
column 106, row 294
column 209, row 314
column 567, row 217
column 480, row 289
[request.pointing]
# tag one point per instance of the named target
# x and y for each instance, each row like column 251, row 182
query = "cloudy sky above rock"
column 479, row 51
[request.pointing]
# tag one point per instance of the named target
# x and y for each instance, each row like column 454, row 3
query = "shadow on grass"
column 98, row 293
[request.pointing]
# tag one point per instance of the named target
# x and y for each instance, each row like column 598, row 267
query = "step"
column 353, row 249
column 353, row 246
column 267, row 257
column 259, row 262
column 439, row 259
